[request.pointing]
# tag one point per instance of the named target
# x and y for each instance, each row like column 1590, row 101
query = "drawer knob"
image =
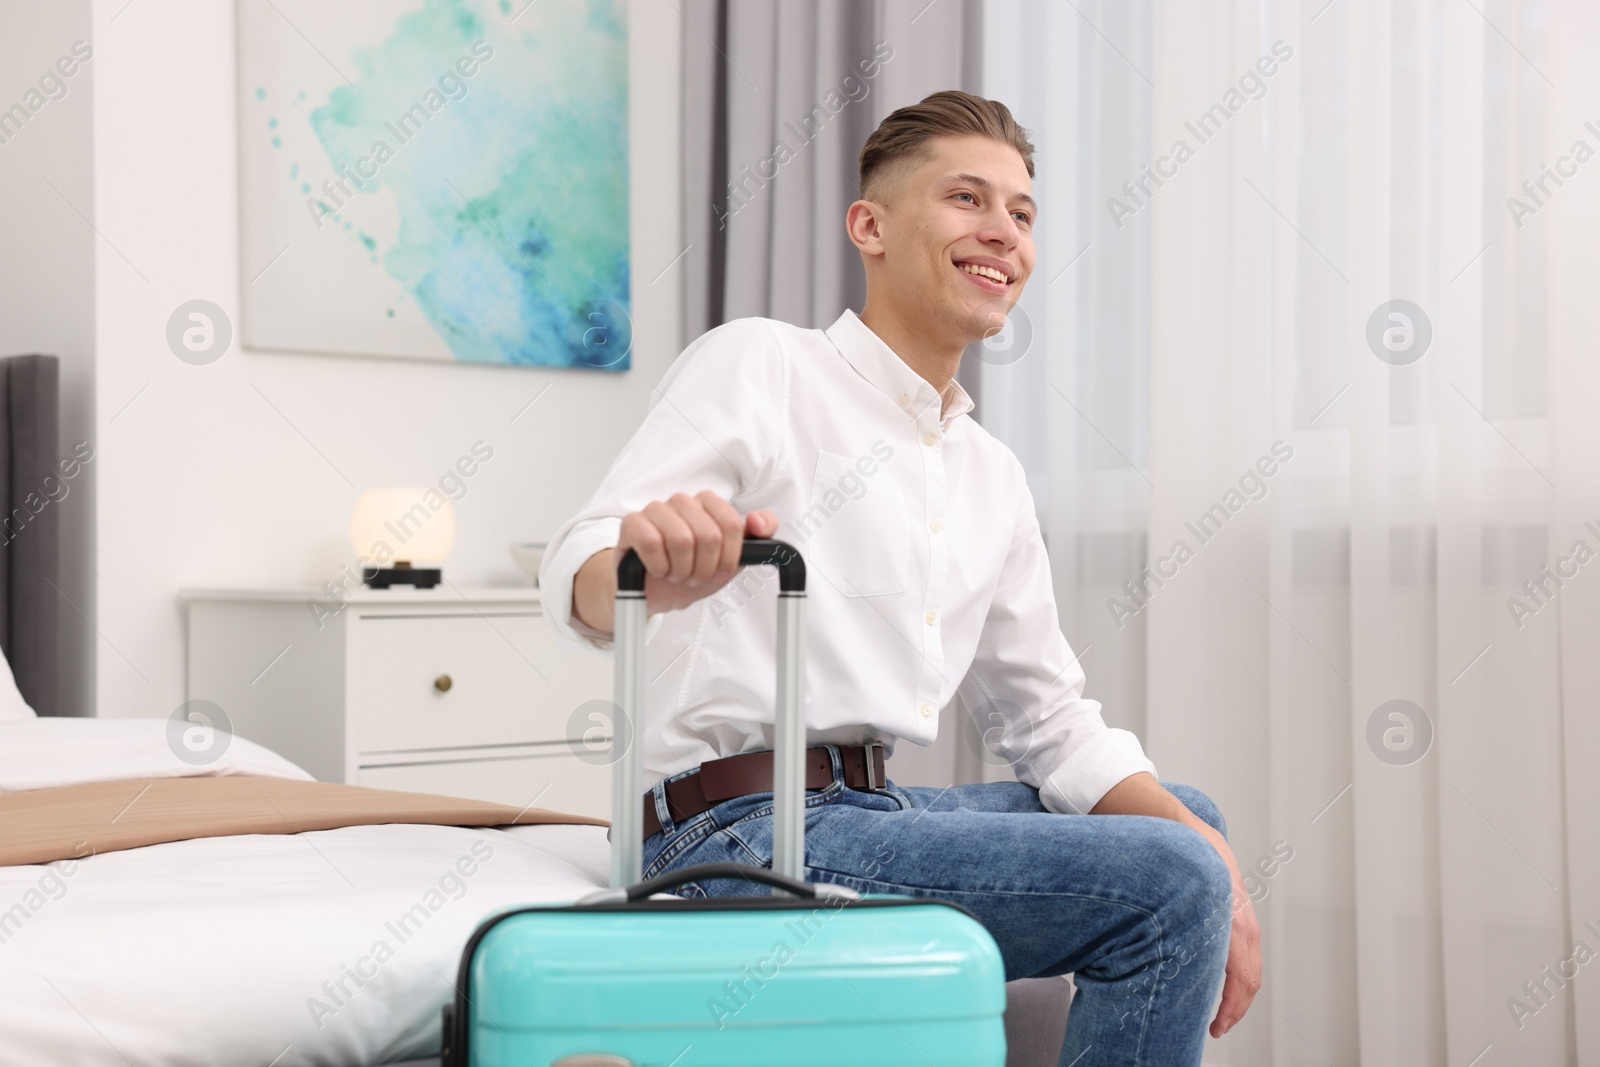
column 443, row 683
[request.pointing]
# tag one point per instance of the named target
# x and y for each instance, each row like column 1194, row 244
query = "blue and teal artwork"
column 438, row 179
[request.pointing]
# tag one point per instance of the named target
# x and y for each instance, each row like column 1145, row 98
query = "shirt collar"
column 893, row 376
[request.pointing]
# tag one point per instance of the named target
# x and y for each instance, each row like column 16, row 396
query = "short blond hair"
column 901, row 139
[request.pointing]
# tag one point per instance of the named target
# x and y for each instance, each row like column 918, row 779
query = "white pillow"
column 12, row 706
column 39, row 753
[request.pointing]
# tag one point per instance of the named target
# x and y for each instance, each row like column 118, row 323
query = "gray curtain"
column 30, row 552
column 776, row 108
column 777, row 104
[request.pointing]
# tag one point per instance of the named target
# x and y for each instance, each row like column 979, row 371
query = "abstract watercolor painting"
column 437, row 179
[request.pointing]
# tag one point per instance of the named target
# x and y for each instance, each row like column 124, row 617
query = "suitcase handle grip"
column 755, row 551
column 665, row 883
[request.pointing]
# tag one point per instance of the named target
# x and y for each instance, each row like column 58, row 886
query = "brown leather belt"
column 735, row 776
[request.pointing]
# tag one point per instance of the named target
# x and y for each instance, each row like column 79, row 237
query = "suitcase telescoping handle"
column 788, row 776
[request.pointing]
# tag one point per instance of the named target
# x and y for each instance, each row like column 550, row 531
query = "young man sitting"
column 929, row 583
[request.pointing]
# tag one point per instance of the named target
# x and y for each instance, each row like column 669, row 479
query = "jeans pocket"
column 661, row 852
column 710, row 845
column 732, row 832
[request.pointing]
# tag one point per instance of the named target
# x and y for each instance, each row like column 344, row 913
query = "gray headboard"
column 30, row 529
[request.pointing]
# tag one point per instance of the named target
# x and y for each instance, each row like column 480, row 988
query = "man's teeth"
column 986, row 272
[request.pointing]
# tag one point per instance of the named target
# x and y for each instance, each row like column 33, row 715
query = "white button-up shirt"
column 927, row 575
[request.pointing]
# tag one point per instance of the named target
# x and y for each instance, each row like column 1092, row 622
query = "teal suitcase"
column 812, row 974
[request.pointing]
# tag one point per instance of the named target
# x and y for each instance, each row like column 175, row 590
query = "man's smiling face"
column 957, row 234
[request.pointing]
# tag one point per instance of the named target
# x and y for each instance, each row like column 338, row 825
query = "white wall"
column 201, row 481
column 47, row 260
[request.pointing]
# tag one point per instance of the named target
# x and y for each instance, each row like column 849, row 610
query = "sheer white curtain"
column 1351, row 633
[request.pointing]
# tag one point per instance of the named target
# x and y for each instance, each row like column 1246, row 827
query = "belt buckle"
column 868, row 757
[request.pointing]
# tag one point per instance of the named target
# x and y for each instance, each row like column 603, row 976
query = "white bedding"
column 39, row 753
column 263, row 949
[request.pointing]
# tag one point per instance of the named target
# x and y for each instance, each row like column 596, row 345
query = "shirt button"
column 930, row 438
column 905, row 398
column 934, row 526
column 927, row 710
column 931, row 618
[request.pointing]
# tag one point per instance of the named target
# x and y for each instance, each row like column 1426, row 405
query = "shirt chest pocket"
column 855, row 535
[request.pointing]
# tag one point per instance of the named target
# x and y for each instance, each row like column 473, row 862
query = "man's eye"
column 963, row 194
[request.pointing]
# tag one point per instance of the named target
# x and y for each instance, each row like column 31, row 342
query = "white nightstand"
column 464, row 692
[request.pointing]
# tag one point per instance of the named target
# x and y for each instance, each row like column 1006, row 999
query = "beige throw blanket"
column 77, row 821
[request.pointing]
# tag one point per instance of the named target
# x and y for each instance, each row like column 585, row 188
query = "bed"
column 257, row 949
column 333, row 946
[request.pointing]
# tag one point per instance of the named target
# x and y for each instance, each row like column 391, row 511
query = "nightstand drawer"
column 559, row 781
column 450, row 681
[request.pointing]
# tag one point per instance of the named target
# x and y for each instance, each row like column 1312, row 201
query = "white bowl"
column 528, row 555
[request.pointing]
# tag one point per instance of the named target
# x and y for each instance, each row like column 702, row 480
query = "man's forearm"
column 594, row 591
column 1141, row 794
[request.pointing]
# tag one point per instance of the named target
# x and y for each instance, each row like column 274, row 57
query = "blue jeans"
column 1136, row 908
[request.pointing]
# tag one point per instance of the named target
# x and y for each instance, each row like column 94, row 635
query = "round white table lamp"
column 392, row 530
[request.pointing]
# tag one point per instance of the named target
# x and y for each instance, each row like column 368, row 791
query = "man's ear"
column 864, row 226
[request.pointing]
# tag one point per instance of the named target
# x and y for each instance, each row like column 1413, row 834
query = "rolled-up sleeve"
column 715, row 421
column 1025, row 687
